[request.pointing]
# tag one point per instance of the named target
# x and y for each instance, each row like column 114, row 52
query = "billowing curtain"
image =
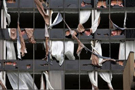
column 69, row 50
column 3, row 24
column 42, row 84
column 106, row 76
column 46, row 31
column 57, row 49
column 48, row 85
column 21, row 80
column 98, row 50
column 57, row 20
column 84, row 16
column 96, row 22
column 125, row 48
column 18, row 46
column 6, row 13
column 92, row 78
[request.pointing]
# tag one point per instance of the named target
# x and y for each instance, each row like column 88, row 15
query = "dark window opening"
column 71, row 81
column 72, row 22
column 85, row 82
column 120, row 19
column 39, row 51
column 130, row 20
column 114, row 50
column 130, row 3
column 105, row 49
column 104, row 21
column 39, row 21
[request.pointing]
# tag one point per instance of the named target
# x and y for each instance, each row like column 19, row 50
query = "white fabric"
column 84, row 16
column 3, row 19
column 48, row 84
column 125, row 48
column 10, row 50
column 2, row 73
column 107, row 77
column 3, row 25
column 42, row 83
column 24, row 78
column 7, row 15
column 2, row 80
column 92, row 79
column 124, row 25
column 95, row 23
column 98, row 50
column 57, row 49
column 46, row 27
column 69, row 50
column 57, row 20
column 18, row 46
column 46, row 31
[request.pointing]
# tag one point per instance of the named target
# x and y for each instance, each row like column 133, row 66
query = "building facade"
column 107, row 30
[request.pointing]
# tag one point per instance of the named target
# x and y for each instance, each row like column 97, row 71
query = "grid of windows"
column 75, row 71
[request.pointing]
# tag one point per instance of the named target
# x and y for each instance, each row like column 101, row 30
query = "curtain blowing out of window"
column 23, row 79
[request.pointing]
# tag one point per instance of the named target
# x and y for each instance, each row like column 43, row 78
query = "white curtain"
column 24, row 81
column 57, row 49
column 2, row 78
column 18, row 46
column 57, row 20
column 96, row 22
column 46, row 31
column 69, row 50
column 3, row 20
column 6, row 13
column 42, row 84
column 21, row 80
column 98, row 50
column 48, row 85
column 125, row 48
column 92, row 78
column 3, row 25
column 84, row 16
column 107, row 77
column 2, row 56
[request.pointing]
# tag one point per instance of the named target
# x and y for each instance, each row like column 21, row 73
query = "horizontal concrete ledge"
column 68, row 65
column 100, row 34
